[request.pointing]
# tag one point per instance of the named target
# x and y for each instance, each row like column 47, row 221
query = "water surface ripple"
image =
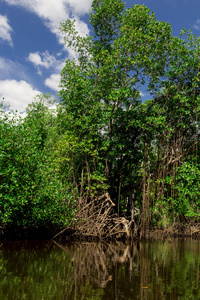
column 147, row 270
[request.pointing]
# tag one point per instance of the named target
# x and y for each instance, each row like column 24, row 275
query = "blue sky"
column 32, row 53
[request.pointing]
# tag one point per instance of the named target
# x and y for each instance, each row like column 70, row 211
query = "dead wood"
column 96, row 220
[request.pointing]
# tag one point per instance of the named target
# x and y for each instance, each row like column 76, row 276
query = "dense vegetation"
column 103, row 137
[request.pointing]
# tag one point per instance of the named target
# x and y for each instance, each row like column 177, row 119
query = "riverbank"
column 74, row 233
column 176, row 231
column 23, row 233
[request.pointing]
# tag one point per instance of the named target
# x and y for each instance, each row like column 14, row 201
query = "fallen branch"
column 95, row 219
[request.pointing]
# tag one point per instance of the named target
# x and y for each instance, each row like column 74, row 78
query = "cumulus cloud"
column 53, row 12
column 53, row 82
column 42, row 59
column 46, row 60
column 5, row 30
column 17, row 94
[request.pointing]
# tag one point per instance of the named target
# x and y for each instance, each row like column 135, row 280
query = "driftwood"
column 195, row 230
column 96, row 220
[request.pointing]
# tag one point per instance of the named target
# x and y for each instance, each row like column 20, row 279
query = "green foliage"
column 125, row 141
column 102, row 137
column 31, row 192
column 187, row 188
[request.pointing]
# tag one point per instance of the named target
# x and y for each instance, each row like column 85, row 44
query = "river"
column 161, row 269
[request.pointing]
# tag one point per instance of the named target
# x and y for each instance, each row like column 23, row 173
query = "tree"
column 102, row 137
column 101, row 92
column 32, row 194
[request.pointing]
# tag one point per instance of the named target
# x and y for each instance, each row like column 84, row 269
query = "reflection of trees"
column 29, row 270
column 97, row 265
column 139, row 270
column 94, row 261
column 170, row 269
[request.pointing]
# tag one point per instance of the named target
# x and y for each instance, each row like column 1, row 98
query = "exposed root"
column 96, row 220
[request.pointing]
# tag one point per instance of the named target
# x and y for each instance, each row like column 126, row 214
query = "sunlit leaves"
column 31, row 192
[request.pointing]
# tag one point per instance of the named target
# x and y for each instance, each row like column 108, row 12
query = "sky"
column 32, row 53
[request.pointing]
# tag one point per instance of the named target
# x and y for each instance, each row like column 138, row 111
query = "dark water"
column 140, row 270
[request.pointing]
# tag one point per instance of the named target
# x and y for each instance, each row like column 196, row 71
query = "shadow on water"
column 139, row 270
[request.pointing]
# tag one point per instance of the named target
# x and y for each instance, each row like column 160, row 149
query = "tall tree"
column 101, row 92
column 132, row 146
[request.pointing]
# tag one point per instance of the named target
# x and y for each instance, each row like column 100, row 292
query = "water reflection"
column 140, row 270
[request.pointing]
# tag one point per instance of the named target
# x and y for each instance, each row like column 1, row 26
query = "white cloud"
column 46, row 60
column 5, row 63
column 53, row 82
column 72, row 54
column 42, row 59
column 79, row 7
column 17, row 94
column 53, row 12
column 142, row 94
column 5, row 30
column 197, row 25
column 10, row 69
column 60, row 65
